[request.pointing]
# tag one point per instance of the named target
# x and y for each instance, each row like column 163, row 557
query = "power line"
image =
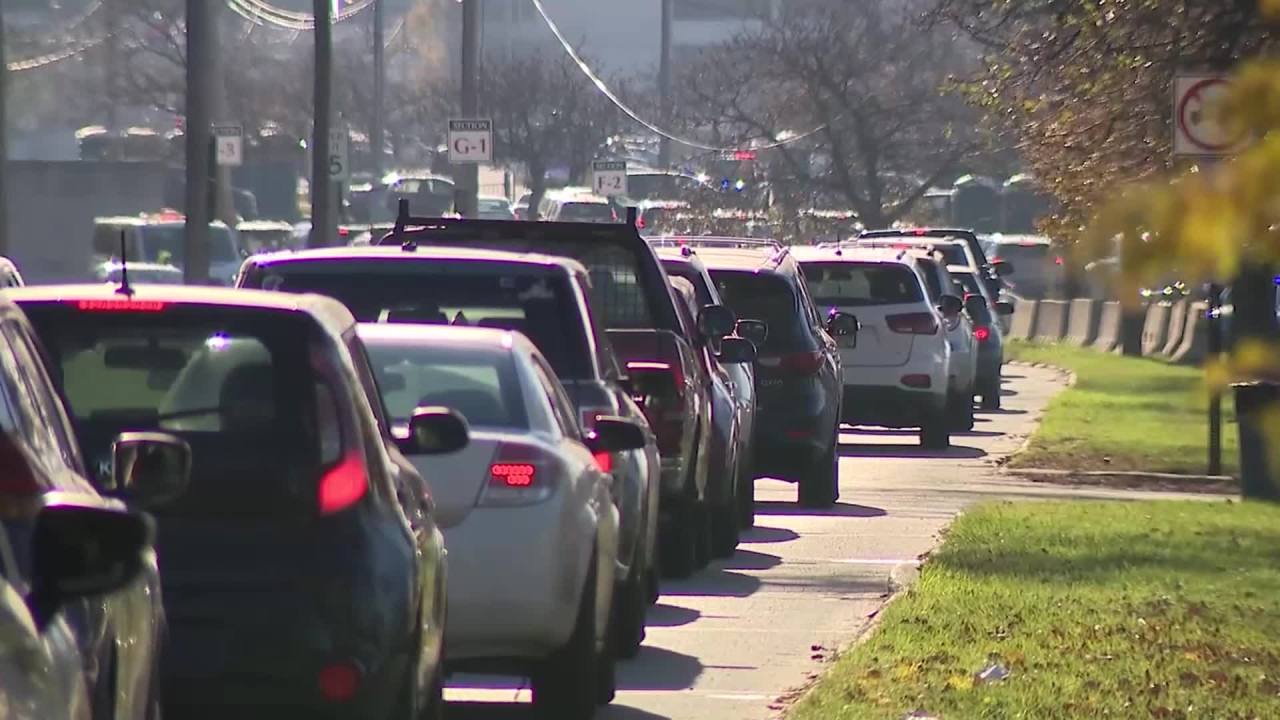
column 260, row 12
column 55, row 57
column 604, row 89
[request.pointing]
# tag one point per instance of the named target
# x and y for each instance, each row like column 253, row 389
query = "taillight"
column 343, row 485
column 340, row 681
column 519, row 475
column 604, row 461
column 803, row 363
column 982, row 334
column 121, row 305
column 16, row 478
column 913, row 324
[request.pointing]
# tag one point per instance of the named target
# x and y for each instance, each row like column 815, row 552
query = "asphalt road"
column 728, row 643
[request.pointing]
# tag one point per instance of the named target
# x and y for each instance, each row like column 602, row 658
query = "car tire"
column 960, row 411
column 680, row 542
column 703, row 541
column 935, row 434
column 991, row 394
column 630, row 606
column 653, row 584
column 433, row 705
column 820, row 482
column 746, row 498
column 567, row 683
column 725, row 533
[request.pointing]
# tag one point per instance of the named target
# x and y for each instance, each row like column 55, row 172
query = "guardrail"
column 1174, row 331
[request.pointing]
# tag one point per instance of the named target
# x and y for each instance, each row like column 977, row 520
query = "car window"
column 929, row 271
column 690, row 273
column 561, row 407
column 862, row 284
column 368, row 379
column 767, row 297
column 480, row 383
column 167, row 244
column 586, row 212
column 47, row 406
column 32, row 421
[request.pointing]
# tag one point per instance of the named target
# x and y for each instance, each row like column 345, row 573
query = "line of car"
column 474, row 446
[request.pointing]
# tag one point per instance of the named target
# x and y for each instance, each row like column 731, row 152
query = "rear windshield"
column 586, row 212
column 1029, row 255
column 764, row 297
column 480, row 384
column 166, row 244
column 539, row 304
column 857, row 284
column 238, row 386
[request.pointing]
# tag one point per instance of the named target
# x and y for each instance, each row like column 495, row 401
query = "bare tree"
column 865, row 78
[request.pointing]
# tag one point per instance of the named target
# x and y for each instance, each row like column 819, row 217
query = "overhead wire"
column 54, row 57
column 605, row 90
column 264, row 13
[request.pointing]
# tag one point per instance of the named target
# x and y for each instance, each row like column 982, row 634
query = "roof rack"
column 409, row 230
column 716, row 242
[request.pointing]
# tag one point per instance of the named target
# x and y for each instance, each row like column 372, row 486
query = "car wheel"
column 935, row 434
column 680, row 543
column 991, row 394
column 960, row 411
column 746, row 498
column 703, row 540
column 630, row 606
column 653, row 584
column 724, row 530
column 433, row 709
column 820, row 484
column 566, row 683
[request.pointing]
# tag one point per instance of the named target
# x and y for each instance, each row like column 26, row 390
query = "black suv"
column 800, row 380
column 302, row 571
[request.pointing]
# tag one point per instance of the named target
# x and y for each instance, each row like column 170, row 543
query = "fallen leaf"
column 960, row 682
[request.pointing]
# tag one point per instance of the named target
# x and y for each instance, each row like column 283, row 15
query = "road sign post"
column 609, row 177
column 339, row 154
column 228, row 141
column 470, row 142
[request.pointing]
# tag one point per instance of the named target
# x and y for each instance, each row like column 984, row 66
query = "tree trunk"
column 537, row 189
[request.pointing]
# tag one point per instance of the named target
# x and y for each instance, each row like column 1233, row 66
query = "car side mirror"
column 736, row 351
column 614, row 434
column 79, row 551
column 435, row 431
column 1004, row 308
column 149, row 468
column 757, row 331
column 975, row 304
column 842, row 324
column 950, row 305
column 1003, row 268
column 716, row 321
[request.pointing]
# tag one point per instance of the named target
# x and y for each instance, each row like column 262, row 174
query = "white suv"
column 900, row 372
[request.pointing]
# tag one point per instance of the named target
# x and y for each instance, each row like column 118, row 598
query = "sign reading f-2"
column 470, row 141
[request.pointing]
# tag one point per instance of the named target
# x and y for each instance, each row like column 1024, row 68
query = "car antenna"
column 124, row 289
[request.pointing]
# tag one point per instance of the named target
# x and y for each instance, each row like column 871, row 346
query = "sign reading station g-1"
column 470, row 141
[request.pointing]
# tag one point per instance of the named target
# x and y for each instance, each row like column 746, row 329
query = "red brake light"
column 343, row 485
column 513, row 475
column 1058, row 260
column 339, row 681
column 121, row 305
column 16, row 478
column 913, row 324
column 921, row 232
column 604, row 461
column 805, row 363
column 982, row 334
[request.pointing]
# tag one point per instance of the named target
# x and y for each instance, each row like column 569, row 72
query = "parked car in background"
column 114, row 272
column 161, row 239
column 577, row 205
column 527, row 507
column 985, row 312
column 301, row 567
column 898, row 374
column 1038, row 272
column 637, row 308
column 426, row 192
column 799, row 372
column 958, row 329
column 992, row 270
column 257, row 236
column 111, row 629
column 549, row 300
column 495, row 208
column 681, row 261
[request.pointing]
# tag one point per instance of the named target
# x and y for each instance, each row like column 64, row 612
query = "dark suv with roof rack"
column 800, row 380
column 992, row 272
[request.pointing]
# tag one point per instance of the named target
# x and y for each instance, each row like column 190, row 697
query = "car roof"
column 922, row 232
column 331, row 314
column 851, row 253
column 264, row 226
column 498, row 340
column 1024, row 240
column 145, row 266
column 416, row 253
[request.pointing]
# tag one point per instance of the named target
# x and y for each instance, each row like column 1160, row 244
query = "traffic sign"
column 1197, row 130
column 470, row 141
column 228, row 143
column 609, row 177
column 339, row 154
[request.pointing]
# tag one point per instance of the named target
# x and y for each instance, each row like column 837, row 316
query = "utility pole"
column 199, row 140
column 468, row 176
column 664, row 82
column 321, row 188
column 4, row 141
column 377, row 138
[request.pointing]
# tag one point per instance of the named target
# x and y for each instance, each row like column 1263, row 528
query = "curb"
column 1131, row 480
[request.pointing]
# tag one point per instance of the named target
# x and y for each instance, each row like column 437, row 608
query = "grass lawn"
column 1120, row 610
column 1124, row 414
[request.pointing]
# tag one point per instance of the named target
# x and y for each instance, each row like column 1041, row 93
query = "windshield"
column 853, row 284
column 586, row 212
column 540, row 305
column 479, row 383
column 164, row 244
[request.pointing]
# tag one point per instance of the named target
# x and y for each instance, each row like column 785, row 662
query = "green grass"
column 1124, row 414
column 1120, row 610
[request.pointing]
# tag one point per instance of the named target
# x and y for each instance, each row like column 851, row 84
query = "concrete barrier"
column 1177, row 325
column 1155, row 331
column 1024, row 320
column 1082, row 321
column 1051, row 320
column 1108, row 335
column 1195, row 336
